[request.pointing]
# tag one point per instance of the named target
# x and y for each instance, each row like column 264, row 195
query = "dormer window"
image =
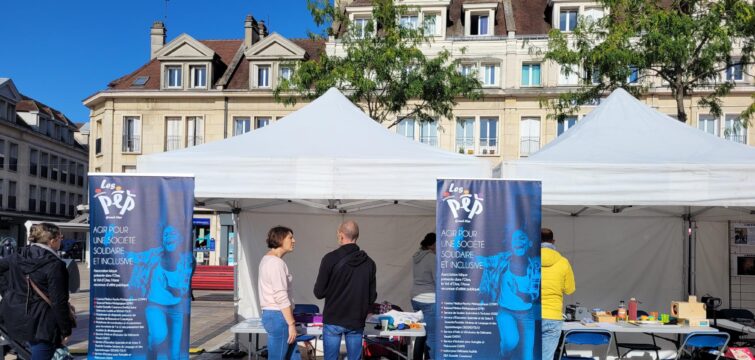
column 431, row 24
column 285, row 72
column 360, row 27
column 567, row 20
column 198, row 76
column 409, row 21
column 263, row 76
column 479, row 19
column 173, row 76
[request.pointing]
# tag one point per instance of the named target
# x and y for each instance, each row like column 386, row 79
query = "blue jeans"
column 428, row 310
column 551, row 334
column 41, row 350
column 331, row 339
column 276, row 327
column 516, row 330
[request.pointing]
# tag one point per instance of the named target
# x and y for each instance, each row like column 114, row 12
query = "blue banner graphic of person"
column 141, row 263
column 488, row 283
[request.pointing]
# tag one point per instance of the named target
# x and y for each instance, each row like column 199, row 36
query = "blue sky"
column 60, row 52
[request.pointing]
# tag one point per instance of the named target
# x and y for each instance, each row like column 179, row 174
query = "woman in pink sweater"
column 274, row 288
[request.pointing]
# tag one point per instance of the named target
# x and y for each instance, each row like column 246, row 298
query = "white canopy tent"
column 623, row 188
column 309, row 171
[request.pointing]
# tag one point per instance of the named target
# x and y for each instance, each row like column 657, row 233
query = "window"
column 2, row 192
column 44, row 163
column 172, row 133
column 567, row 20
column 53, row 201
column 529, row 136
column 80, row 199
column 53, row 167
column 285, row 72
column 572, row 78
column 241, row 125
column 173, row 76
column 80, row 177
column 465, row 135
column 263, row 76
column 409, row 21
column 594, row 76
column 3, row 109
column 467, row 69
column 12, row 195
column 261, row 121
column 98, row 146
column 565, row 124
column 32, row 198
column 42, row 200
column 63, row 170
column 2, row 153
column 406, row 128
column 431, row 25
column 360, row 27
column 490, row 77
column 530, row 74
column 194, row 130
column 13, row 157
column 488, row 135
column 634, row 75
column 132, row 129
column 72, row 178
column 62, row 208
column 733, row 129
column 734, row 72
column 71, row 205
column 198, row 76
column 479, row 24
column 708, row 123
column 428, row 133
column 33, row 160
column 128, row 169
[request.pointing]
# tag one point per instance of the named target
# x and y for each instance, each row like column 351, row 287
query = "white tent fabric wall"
column 618, row 256
column 390, row 240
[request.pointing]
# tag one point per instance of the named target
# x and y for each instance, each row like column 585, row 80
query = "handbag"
column 45, row 298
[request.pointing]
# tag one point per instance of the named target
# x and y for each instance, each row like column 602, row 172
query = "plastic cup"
column 665, row 318
column 384, row 324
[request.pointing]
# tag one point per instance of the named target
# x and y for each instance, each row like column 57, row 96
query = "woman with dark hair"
column 423, row 294
column 35, row 306
column 276, row 300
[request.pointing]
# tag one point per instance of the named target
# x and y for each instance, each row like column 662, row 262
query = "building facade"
column 192, row 92
column 42, row 166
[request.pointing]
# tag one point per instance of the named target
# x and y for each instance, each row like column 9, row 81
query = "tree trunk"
column 681, row 114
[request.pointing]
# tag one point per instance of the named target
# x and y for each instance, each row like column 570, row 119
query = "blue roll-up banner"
column 488, row 282
column 141, row 264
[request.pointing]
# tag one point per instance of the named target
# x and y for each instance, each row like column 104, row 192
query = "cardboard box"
column 688, row 309
column 604, row 318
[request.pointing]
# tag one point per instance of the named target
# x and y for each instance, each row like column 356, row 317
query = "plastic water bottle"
column 622, row 311
column 633, row 309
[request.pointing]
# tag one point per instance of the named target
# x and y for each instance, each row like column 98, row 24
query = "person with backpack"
column 35, row 306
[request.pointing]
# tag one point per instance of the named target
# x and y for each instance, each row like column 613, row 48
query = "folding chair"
column 597, row 338
column 307, row 309
column 712, row 343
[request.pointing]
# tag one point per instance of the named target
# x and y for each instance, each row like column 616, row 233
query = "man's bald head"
column 349, row 230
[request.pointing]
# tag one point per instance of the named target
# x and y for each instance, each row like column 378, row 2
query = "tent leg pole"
column 235, row 243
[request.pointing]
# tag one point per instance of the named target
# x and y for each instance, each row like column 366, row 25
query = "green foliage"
column 381, row 68
column 687, row 45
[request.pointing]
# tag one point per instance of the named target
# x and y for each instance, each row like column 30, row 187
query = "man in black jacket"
column 347, row 282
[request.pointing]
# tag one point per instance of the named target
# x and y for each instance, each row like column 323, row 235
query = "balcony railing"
column 529, row 145
column 739, row 138
column 195, row 140
column 132, row 144
column 465, row 146
column 172, row 142
column 429, row 140
column 488, row 146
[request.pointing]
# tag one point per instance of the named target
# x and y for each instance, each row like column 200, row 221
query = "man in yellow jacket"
column 558, row 279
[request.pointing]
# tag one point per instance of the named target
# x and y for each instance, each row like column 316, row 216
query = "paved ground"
column 212, row 314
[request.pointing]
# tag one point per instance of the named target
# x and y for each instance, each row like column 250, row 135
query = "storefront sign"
column 141, row 263
column 488, row 270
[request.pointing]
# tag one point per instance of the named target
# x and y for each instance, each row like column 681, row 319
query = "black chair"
column 636, row 346
column 741, row 316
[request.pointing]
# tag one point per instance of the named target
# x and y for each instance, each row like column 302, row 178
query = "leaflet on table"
column 399, row 317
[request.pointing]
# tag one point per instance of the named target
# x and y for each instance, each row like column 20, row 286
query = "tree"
column 687, row 44
column 382, row 69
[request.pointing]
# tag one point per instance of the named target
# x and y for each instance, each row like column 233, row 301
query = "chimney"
column 156, row 38
column 263, row 29
column 250, row 26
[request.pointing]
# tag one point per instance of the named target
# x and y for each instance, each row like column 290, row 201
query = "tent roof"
column 329, row 149
column 626, row 153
